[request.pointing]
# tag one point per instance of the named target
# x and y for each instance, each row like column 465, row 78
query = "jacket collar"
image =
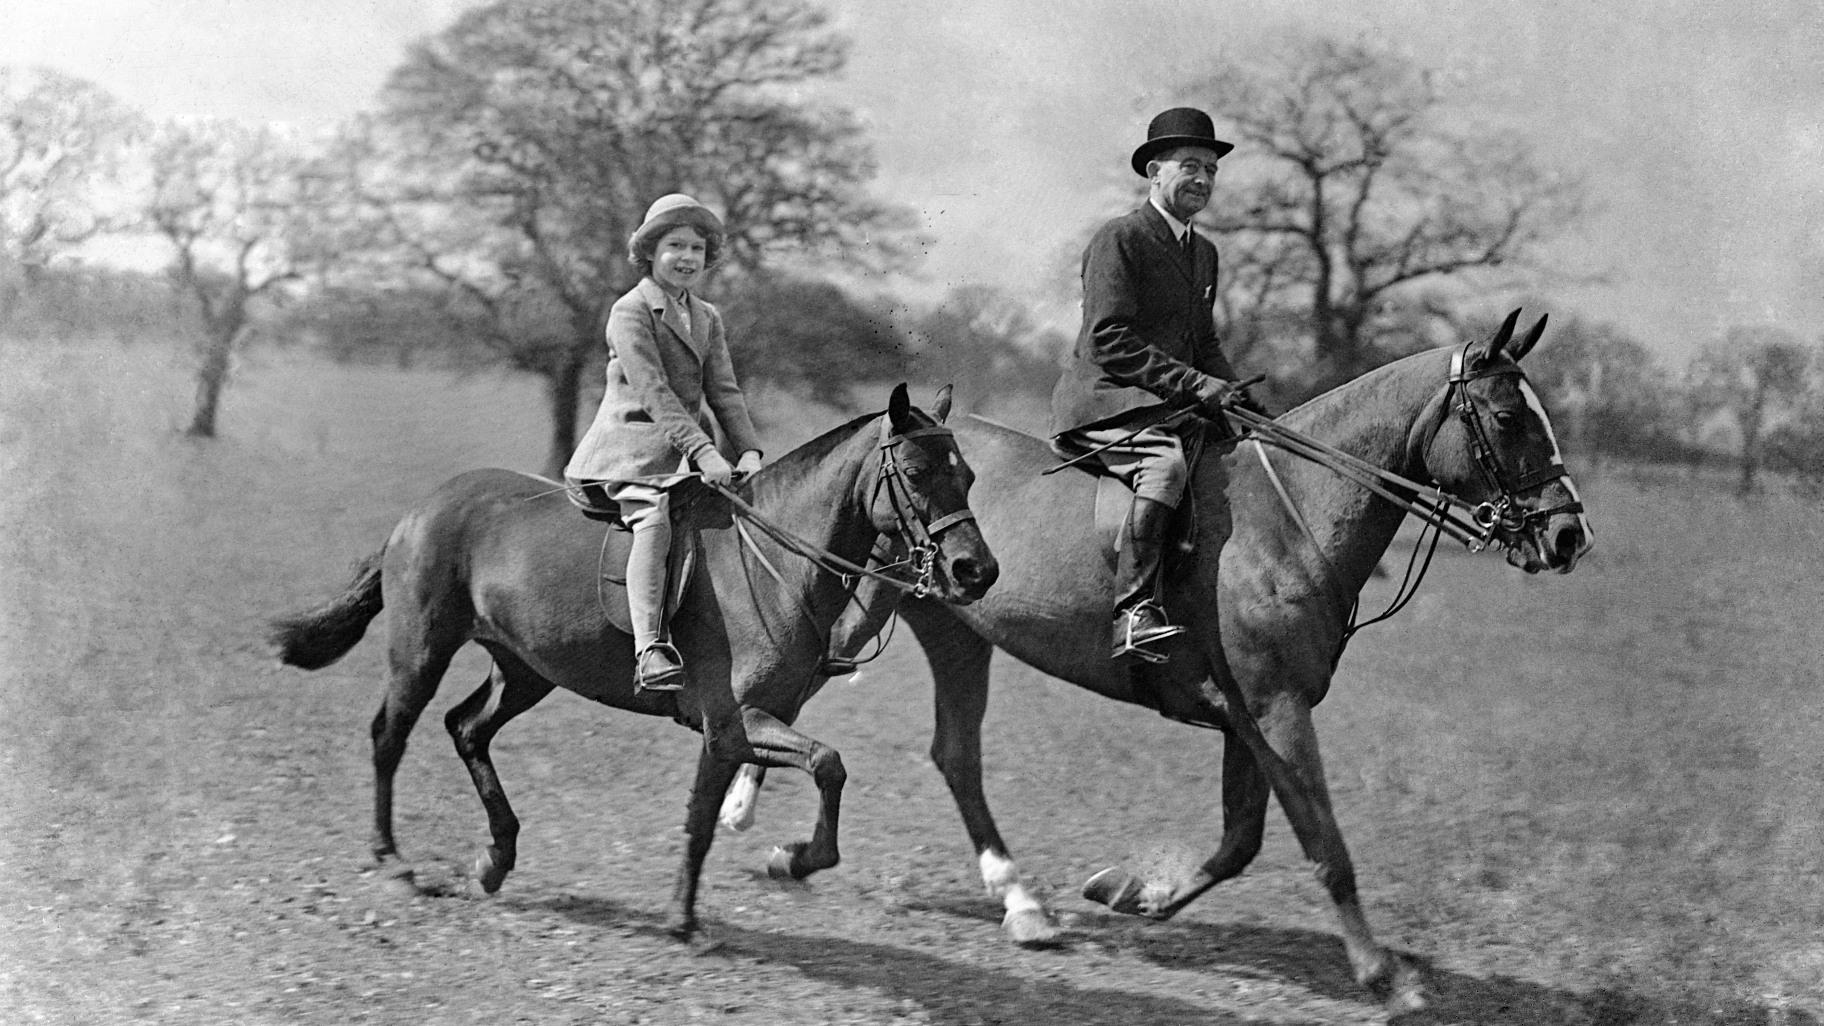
column 667, row 309
column 1161, row 226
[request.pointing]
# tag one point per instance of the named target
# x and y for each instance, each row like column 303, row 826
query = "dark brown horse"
column 503, row 559
column 1305, row 540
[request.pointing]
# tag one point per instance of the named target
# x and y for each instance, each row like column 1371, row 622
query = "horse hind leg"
column 959, row 660
column 743, row 799
column 413, row 675
column 1244, row 817
column 511, row 689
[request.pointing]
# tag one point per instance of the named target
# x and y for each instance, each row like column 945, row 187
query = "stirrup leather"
column 669, row 679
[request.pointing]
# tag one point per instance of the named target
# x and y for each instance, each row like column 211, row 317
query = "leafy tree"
column 810, row 337
column 1349, row 191
column 63, row 142
column 988, row 343
column 234, row 205
column 521, row 146
column 1758, row 374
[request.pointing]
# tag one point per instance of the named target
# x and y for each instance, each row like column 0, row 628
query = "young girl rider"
column 667, row 361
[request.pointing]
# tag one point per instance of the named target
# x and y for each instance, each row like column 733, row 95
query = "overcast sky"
column 1699, row 124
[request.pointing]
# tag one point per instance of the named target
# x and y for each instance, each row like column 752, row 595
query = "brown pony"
column 503, row 559
column 1305, row 539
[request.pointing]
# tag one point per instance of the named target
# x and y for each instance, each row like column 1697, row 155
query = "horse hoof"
column 1407, row 991
column 1031, row 928
column 489, row 873
column 779, row 865
column 401, row 883
column 1116, row 888
column 701, row 943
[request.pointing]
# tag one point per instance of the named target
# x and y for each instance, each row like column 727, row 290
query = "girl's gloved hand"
column 714, row 468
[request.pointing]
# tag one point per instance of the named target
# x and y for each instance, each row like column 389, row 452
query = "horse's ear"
column 1502, row 337
column 940, row 408
column 1525, row 345
column 899, row 409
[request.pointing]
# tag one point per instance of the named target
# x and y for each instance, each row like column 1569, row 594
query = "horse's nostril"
column 1567, row 544
column 973, row 573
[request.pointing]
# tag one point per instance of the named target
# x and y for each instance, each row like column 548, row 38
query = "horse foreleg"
column 959, row 661
column 713, row 775
column 766, row 740
column 1287, row 750
column 511, row 689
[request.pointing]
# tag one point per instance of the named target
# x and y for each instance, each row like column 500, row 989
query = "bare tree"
column 62, row 145
column 1758, row 374
column 1350, row 191
column 235, row 205
column 523, row 144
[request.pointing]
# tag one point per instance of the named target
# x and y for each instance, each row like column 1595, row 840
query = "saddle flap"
column 680, row 567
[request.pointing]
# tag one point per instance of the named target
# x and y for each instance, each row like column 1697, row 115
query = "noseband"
column 918, row 534
column 1504, row 512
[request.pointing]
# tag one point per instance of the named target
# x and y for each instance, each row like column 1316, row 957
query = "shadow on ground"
column 1317, row 961
column 953, row 991
column 950, row 992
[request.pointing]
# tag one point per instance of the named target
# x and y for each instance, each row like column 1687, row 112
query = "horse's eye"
column 1507, row 420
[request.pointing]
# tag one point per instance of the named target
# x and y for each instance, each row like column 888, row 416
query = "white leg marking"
column 742, row 798
column 1002, row 879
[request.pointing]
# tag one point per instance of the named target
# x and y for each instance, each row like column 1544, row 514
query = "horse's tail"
column 314, row 639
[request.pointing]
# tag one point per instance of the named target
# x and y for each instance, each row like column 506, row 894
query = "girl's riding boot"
column 657, row 665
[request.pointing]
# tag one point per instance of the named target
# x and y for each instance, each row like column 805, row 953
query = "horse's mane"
column 785, row 473
column 1342, row 394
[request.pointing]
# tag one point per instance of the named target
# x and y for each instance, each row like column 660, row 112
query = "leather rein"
column 1475, row 525
column 918, row 534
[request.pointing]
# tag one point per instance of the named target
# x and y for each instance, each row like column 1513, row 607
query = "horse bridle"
column 1504, row 512
column 918, row 534
column 1475, row 525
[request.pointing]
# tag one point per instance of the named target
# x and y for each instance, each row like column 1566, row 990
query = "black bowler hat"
column 1180, row 126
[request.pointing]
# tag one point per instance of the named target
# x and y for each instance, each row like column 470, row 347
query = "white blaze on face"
column 1538, row 408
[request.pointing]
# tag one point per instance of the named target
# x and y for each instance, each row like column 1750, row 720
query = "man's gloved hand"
column 715, row 468
column 1243, row 400
column 1214, row 395
column 747, row 465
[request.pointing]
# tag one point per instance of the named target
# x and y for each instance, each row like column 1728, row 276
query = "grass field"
column 1600, row 795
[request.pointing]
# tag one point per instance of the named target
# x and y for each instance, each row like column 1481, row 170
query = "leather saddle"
column 680, row 564
column 1115, row 505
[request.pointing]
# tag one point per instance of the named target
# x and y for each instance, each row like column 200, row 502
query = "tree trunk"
column 563, row 386
column 1752, row 420
column 211, row 378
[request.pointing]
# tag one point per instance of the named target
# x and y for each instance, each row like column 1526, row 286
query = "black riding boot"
column 1139, row 622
